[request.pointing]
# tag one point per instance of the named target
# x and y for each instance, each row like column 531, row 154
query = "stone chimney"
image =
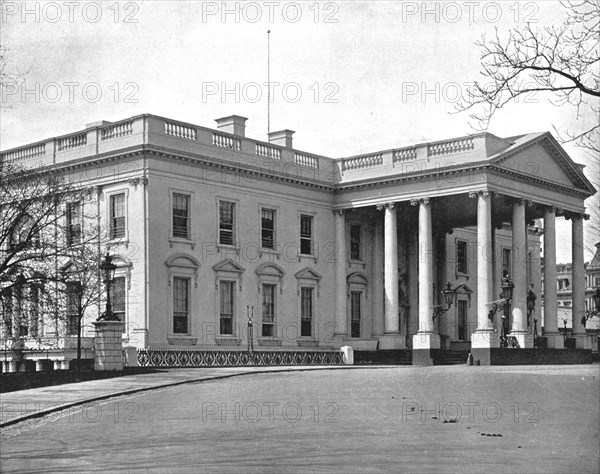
column 282, row 138
column 233, row 124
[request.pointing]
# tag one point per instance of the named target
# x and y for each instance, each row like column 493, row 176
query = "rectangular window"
column 462, row 320
column 34, row 311
column 73, row 223
column 506, row 263
column 22, row 322
column 355, row 313
column 181, row 305
column 461, row 257
column 268, row 310
column 226, row 223
column 181, row 216
column 117, row 216
column 355, row 242
column 226, row 296
column 306, row 231
column 306, row 311
column 117, row 294
column 267, row 228
column 73, row 305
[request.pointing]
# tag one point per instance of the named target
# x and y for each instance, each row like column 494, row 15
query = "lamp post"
column 108, row 272
column 448, row 293
column 250, row 315
column 505, row 299
column 531, row 297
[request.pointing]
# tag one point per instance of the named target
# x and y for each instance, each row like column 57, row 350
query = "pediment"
column 270, row 269
column 228, row 265
column 357, row 278
column 464, row 288
column 544, row 159
column 182, row 260
column 308, row 274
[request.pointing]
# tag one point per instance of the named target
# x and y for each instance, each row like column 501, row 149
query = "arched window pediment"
column 182, row 261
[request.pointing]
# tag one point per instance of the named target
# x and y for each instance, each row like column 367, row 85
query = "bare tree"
column 562, row 62
column 8, row 78
column 42, row 218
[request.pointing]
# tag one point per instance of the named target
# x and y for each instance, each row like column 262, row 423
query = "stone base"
column 555, row 340
column 504, row 356
column 426, row 340
column 108, row 345
column 392, row 341
column 424, row 357
column 485, row 339
column 583, row 341
column 426, row 345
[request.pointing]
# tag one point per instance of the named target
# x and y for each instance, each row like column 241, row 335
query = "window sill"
column 266, row 251
column 228, row 247
column 357, row 262
column 182, row 340
column 181, row 240
column 225, row 340
column 463, row 275
column 310, row 256
column 269, row 341
column 307, row 342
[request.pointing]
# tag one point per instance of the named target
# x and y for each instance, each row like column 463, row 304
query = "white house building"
column 209, row 227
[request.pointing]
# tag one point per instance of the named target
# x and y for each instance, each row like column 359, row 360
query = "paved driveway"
column 401, row 419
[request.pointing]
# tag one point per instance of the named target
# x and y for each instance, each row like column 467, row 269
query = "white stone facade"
column 385, row 233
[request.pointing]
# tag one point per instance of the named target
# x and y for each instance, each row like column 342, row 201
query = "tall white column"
column 555, row 340
column 519, row 274
column 378, row 265
column 425, row 337
column 484, row 336
column 578, row 284
column 341, row 312
column 390, row 270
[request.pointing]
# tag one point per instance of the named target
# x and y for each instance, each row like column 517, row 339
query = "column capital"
column 416, row 202
column 484, row 193
column 575, row 215
column 385, row 205
column 553, row 209
column 338, row 212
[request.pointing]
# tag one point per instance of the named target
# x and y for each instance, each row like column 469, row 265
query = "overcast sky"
column 354, row 76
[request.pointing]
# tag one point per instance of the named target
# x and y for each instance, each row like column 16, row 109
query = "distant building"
column 208, row 225
column 564, row 286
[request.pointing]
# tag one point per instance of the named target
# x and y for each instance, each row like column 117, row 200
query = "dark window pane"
column 461, row 257
column 355, row 242
column 306, row 312
column 180, row 215
column 226, row 223
column 226, row 297
column 268, row 228
column 355, row 310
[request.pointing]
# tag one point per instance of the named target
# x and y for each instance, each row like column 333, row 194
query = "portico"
column 498, row 198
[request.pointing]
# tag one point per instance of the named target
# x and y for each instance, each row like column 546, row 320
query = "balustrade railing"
column 405, row 154
column 306, row 160
column 180, row 131
column 116, row 131
column 25, row 153
column 268, row 151
column 225, row 141
column 451, row 146
column 72, row 141
column 360, row 162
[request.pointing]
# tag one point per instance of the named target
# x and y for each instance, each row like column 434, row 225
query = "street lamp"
column 448, row 293
column 530, row 305
column 108, row 271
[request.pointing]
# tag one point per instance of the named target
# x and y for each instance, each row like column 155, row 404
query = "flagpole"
column 268, row 82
